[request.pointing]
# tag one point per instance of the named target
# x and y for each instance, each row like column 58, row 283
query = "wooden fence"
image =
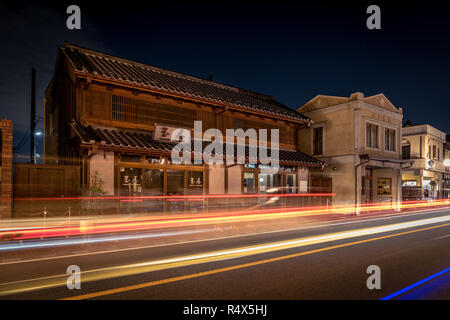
column 35, row 182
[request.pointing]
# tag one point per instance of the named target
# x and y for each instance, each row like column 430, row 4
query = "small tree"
column 95, row 190
column 96, row 185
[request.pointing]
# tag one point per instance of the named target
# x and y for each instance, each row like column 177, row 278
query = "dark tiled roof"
column 134, row 73
column 409, row 123
column 143, row 142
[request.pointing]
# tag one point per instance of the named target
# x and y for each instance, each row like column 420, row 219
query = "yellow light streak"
column 138, row 268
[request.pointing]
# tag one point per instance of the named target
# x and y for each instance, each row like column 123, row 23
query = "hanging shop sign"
column 171, row 134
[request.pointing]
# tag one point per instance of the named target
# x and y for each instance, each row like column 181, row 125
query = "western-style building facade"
column 360, row 140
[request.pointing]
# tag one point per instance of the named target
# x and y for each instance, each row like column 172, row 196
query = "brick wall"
column 6, row 128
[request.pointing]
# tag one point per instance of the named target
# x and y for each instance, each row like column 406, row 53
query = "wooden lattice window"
column 140, row 111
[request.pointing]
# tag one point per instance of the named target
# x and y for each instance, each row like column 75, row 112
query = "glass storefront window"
column 130, row 180
column 130, row 186
column 153, row 160
column 291, row 183
column 195, row 182
column 154, row 186
column 175, row 182
column 384, row 186
column 249, row 182
column 175, row 186
column 270, row 183
column 130, row 158
column 195, row 187
column 264, row 182
column 277, row 181
column 154, row 182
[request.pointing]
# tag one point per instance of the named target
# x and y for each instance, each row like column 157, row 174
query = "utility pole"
column 33, row 115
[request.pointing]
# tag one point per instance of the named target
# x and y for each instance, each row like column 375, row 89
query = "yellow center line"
column 239, row 266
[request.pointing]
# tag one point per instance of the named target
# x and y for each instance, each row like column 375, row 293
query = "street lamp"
column 36, row 155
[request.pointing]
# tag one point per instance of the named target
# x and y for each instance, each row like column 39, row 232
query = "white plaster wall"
column 234, row 180
column 216, row 181
column 103, row 162
column 302, row 175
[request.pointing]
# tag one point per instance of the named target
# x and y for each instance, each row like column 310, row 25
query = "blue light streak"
column 75, row 241
column 395, row 294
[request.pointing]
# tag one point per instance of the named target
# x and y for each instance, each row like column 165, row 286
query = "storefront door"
column 175, row 186
column 367, row 193
column 153, row 188
column 130, row 189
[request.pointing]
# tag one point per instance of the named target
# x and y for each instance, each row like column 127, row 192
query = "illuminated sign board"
column 171, row 134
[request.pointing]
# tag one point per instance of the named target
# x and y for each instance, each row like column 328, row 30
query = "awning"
column 142, row 142
column 392, row 162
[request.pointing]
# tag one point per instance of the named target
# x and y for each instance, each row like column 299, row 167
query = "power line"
column 25, row 138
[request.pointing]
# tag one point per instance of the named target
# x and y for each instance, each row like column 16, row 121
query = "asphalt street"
column 327, row 260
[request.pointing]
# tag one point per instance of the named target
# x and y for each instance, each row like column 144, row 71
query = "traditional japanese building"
column 109, row 115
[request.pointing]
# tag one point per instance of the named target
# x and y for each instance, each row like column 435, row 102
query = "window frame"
column 313, row 128
column 390, row 186
column 394, row 130
column 378, row 135
column 408, row 146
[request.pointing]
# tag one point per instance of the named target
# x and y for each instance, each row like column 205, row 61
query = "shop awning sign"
column 165, row 133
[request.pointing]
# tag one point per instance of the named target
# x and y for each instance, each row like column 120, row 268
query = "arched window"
column 406, row 149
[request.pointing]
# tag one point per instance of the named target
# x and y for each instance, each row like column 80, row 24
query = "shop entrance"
column 131, row 186
column 153, row 184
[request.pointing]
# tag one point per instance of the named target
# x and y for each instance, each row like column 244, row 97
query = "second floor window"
column 406, row 150
column 146, row 112
column 434, row 152
column 318, row 140
column 371, row 135
column 389, row 137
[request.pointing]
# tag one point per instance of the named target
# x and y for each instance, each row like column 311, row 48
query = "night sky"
column 291, row 51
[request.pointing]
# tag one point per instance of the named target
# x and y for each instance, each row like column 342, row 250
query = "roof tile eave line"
column 208, row 91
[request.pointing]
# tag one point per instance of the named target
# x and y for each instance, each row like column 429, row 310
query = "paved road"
column 325, row 261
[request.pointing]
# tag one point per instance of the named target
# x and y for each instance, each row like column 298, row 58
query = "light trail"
column 138, row 268
column 34, row 244
column 165, row 197
column 341, row 223
column 143, row 223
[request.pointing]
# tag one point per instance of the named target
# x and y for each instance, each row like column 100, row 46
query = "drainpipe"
column 356, row 179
